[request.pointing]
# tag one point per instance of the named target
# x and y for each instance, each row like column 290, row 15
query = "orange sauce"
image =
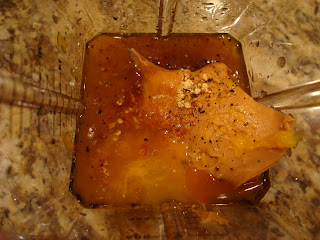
column 120, row 159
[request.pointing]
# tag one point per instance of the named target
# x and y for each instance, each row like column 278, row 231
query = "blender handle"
column 15, row 91
column 294, row 99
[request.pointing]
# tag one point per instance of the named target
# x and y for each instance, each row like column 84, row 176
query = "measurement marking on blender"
column 54, row 109
column 23, row 98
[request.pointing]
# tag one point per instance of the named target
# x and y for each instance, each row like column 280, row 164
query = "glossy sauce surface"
column 122, row 160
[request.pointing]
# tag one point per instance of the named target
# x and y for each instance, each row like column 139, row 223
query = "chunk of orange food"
column 230, row 137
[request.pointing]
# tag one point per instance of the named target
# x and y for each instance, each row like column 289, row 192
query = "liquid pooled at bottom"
column 125, row 155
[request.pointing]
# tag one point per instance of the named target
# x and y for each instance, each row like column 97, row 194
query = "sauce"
column 119, row 158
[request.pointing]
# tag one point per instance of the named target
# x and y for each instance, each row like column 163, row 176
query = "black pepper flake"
column 145, row 139
column 53, row 141
column 83, row 214
column 100, row 111
column 246, row 124
column 217, row 169
column 201, row 138
column 87, row 149
column 254, row 140
column 231, row 90
column 200, row 110
column 231, row 169
column 231, row 104
column 235, row 120
column 115, row 18
column 210, row 141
